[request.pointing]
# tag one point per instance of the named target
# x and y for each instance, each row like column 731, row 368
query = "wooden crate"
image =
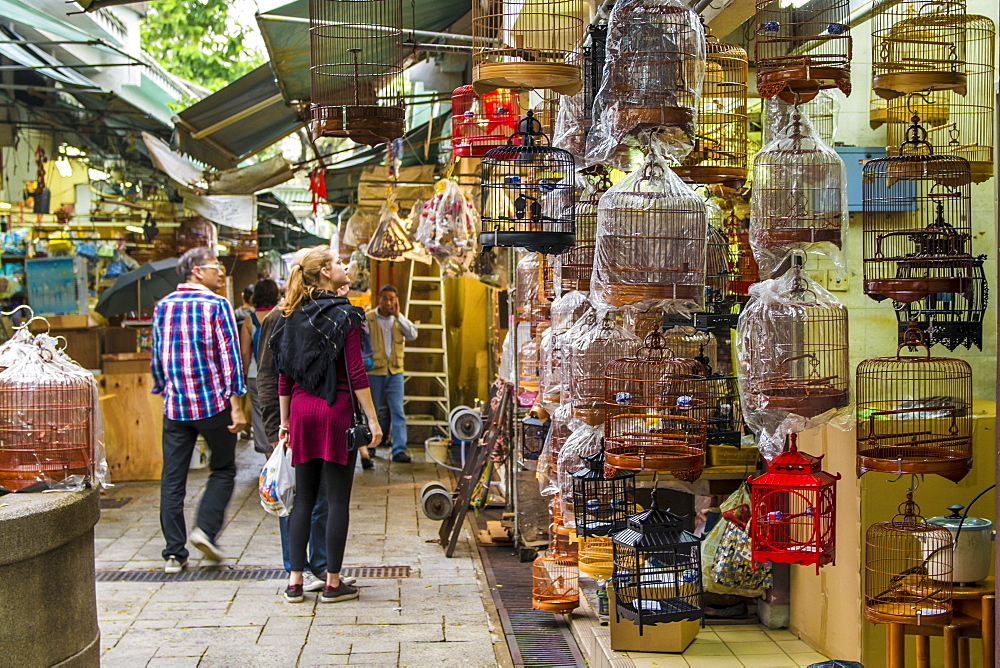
column 133, row 426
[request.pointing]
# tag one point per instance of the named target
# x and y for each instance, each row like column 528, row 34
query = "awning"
column 22, row 52
column 236, row 122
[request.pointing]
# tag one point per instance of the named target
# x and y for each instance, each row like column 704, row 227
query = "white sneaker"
column 311, row 583
column 174, row 565
column 200, row 540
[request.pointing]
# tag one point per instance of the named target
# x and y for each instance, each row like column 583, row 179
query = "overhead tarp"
column 237, row 121
column 236, row 211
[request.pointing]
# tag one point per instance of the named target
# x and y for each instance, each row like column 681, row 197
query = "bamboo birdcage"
column 918, row 45
column 916, row 222
column 527, row 44
column 951, row 320
column 595, row 557
column 531, row 306
column 555, row 583
column 654, row 410
column 908, row 569
column 355, row 69
column 743, row 270
column 529, row 367
column 482, row 122
column 821, row 111
column 528, row 193
column 565, row 311
column 593, row 343
column 602, row 503
column 577, row 264
column 801, row 50
column 915, row 413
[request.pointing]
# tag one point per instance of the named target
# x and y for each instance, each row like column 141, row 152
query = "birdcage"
column 534, row 430
column 799, row 198
column 821, row 111
column 530, row 303
column 654, row 410
column 565, row 311
column 720, row 139
column 651, row 241
column 528, row 368
column 577, row 264
column 595, row 558
column 743, row 270
column 602, row 504
column 642, row 321
column 915, row 412
column 918, row 45
column 526, row 44
column 594, row 58
column 390, row 240
column 719, row 296
column 355, row 70
column 528, row 193
column 793, row 504
column 593, row 343
column 723, row 413
column 951, row 320
column 908, row 568
column 801, row 50
column 482, row 122
column 555, row 583
column 916, row 222
column 657, row 569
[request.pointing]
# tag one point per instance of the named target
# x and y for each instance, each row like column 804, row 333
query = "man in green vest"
column 389, row 331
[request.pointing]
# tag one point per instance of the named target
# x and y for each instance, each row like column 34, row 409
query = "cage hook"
column 899, row 470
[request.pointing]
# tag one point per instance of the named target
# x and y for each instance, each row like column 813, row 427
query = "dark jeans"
column 178, row 444
column 338, row 479
column 316, row 563
column 390, row 388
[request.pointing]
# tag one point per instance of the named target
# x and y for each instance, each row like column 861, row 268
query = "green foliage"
column 196, row 40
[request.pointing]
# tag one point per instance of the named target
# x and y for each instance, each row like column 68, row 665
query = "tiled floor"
column 735, row 647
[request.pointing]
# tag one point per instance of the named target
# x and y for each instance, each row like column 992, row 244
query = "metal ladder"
column 432, row 406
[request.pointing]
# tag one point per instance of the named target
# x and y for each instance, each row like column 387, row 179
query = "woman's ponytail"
column 304, row 279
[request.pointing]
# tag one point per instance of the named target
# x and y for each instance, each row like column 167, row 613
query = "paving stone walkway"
column 439, row 616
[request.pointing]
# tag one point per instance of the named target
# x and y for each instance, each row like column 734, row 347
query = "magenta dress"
column 317, row 430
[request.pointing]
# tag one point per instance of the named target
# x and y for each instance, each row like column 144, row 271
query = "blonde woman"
column 317, row 352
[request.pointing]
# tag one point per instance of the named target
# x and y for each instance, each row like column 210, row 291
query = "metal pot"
column 974, row 552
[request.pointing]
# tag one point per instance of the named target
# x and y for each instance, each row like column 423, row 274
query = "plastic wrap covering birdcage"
column 595, row 557
column 657, row 569
column 585, row 441
column 908, row 570
column 594, row 341
column 577, row 264
column 743, row 270
column 915, row 412
column 565, row 311
column 651, row 239
column 799, row 197
column 569, row 131
column 720, row 139
column 687, row 342
column 482, row 122
column 355, row 67
column 528, row 194
column 653, row 75
column 555, row 583
column 720, row 297
column 951, row 320
column 916, row 223
column 389, row 240
column 655, row 405
column 918, row 45
column 51, row 434
column 601, row 503
column 792, row 351
column 559, row 431
column 529, row 361
column 794, row 512
column 802, row 48
column 448, row 224
column 527, row 44
column 821, row 111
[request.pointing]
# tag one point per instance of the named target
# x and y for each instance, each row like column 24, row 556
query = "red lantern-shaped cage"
column 794, row 511
column 482, row 122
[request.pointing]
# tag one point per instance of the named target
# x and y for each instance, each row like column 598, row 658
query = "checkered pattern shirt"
column 196, row 353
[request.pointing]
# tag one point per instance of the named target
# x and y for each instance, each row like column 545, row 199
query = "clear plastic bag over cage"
column 584, row 441
column 914, row 412
column 530, row 303
column 528, row 193
column 792, row 352
column 801, row 49
column 569, row 132
column 918, row 45
column 916, row 222
column 390, row 239
column 948, row 319
column 565, row 311
column 355, row 73
column 448, row 222
column 651, row 239
column 594, row 341
column 799, row 197
column 821, row 111
column 653, row 75
column 559, row 431
column 482, row 122
column 576, row 265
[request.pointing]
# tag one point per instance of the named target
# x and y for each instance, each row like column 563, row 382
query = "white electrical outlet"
column 836, row 282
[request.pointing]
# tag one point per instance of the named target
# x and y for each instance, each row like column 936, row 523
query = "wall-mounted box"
column 854, row 158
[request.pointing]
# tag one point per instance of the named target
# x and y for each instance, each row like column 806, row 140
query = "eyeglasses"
column 217, row 266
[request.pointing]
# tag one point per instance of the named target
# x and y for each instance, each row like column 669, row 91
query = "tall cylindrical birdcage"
column 566, row 311
column 951, row 320
column 527, row 44
column 743, row 269
column 594, row 342
column 555, row 583
column 918, row 45
column 821, row 111
column 802, row 48
column 355, row 70
column 530, row 303
column 577, row 264
column 482, row 122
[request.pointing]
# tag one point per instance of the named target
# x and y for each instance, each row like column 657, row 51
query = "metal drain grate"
column 245, row 574
column 107, row 502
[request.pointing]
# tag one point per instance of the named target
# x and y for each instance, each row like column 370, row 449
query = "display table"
column 133, row 425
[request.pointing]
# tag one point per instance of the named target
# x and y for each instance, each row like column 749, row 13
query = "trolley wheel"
column 433, row 484
column 436, row 503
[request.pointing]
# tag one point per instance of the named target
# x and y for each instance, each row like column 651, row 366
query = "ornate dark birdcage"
column 593, row 343
column 802, row 49
column 720, row 296
column 528, row 193
column 799, row 197
column 654, row 405
column 355, row 70
column 918, row 45
column 594, row 57
column 577, row 264
column 723, row 412
column 596, row 557
column 657, row 569
column 916, row 222
column 482, row 122
column 951, row 320
column 555, row 583
column 794, row 509
column 526, row 44
column 601, row 503
column 915, row 412
column 534, row 431
column 908, row 569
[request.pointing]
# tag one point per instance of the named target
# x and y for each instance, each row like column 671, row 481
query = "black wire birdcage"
column 533, row 434
column 528, row 193
column 723, row 411
column 594, row 56
column 949, row 319
column 602, row 504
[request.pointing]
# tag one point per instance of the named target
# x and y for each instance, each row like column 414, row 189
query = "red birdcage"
column 482, row 122
column 794, row 511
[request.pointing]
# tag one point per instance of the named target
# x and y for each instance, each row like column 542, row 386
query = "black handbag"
column 358, row 434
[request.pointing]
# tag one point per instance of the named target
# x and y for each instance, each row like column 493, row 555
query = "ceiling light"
column 64, row 168
column 134, row 228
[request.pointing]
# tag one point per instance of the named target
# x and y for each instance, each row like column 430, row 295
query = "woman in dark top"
column 316, row 345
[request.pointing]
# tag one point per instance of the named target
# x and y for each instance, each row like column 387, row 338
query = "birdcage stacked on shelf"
column 602, row 502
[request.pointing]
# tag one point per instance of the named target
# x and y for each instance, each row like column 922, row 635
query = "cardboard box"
column 126, row 363
column 120, row 340
column 673, row 637
column 83, row 345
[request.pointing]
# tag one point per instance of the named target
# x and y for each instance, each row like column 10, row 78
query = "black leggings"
column 308, row 477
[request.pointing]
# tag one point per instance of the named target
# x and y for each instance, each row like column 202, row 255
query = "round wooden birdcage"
column 743, row 270
column 555, row 583
column 482, row 122
column 595, row 558
column 577, row 263
column 593, row 343
column 821, row 111
column 531, row 305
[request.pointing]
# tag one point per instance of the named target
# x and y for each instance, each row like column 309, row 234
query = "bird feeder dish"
column 555, row 583
column 602, row 503
column 482, row 122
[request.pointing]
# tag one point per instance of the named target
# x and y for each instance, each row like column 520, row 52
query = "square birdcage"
column 593, row 342
column 356, row 70
column 915, row 412
column 657, row 569
column 482, row 122
column 528, row 193
column 802, row 48
column 950, row 319
column 602, row 503
column 794, row 509
column 555, row 583
column 916, row 222
column 534, row 431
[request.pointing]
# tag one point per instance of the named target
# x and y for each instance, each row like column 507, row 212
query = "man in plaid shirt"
column 196, row 367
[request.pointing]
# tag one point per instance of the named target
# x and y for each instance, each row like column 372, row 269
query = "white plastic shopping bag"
column 277, row 481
